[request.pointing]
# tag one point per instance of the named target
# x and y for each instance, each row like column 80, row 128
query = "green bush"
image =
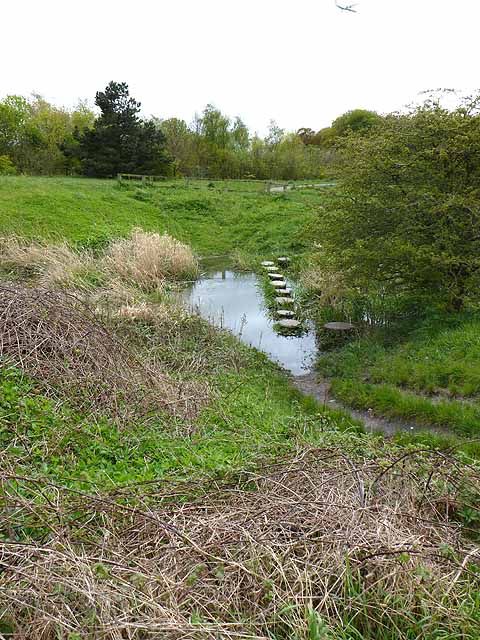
column 7, row 168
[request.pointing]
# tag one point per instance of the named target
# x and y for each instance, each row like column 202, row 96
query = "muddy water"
column 234, row 300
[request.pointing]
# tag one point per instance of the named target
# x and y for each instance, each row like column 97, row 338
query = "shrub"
column 407, row 216
column 147, row 260
column 7, row 168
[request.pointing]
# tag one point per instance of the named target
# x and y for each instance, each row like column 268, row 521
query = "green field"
column 213, row 221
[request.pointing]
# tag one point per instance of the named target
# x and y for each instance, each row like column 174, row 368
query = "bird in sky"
column 348, row 7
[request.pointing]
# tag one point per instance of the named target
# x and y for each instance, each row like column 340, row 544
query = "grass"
column 251, row 513
column 92, row 212
column 428, row 376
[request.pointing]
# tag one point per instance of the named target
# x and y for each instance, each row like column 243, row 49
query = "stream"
column 234, row 300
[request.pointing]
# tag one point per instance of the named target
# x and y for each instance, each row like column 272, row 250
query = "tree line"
column 37, row 137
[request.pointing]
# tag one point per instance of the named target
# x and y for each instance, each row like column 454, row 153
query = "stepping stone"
column 284, row 300
column 284, row 292
column 267, row 263
column 285, row 313
column 283, row 260
column 339, row 326
column 271, row 268
column 279, row 284
column 275, row 276
column 289, row 324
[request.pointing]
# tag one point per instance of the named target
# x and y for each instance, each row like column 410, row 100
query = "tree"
column 120, row 142
column 357, row 121
column 409, row 213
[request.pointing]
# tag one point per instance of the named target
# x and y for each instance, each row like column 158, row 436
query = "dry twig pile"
column 55, row 338
column 318, row 533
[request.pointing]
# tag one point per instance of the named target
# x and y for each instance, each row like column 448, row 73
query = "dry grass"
column 52, row 265
column 243, row 560
column 148, row 260
column 145, row 261
column 328, row 286
column 55, row 338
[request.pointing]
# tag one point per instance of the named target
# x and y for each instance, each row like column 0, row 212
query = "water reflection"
column 235, row 301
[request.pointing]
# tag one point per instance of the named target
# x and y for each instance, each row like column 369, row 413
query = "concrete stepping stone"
column 271, row 268
column 339, row 326
column 289, row 324
column 283, row 260
column 279, row 284
column 285, row 313
column 275, row 276
column 284, row 300
column 267, row 263
column 284, row 292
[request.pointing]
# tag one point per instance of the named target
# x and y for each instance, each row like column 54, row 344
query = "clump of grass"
column 148, row 260
column 319, row 545
column 328, row 287
column 50, row 265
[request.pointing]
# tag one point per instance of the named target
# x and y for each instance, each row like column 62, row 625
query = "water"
column 235, row 301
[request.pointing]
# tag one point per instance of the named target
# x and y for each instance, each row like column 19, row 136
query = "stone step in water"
column 279, row 284
column 289, row 324
column 267, row 263
column 271, row 268
column 275, row 276
column 283, row 260
column 284, row 292
column 284, row 300
column 285, row 313
column 339, row 326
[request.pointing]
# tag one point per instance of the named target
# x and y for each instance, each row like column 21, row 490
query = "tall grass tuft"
column 51, row 265
column 148, row 260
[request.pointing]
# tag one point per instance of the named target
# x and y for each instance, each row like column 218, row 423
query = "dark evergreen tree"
column 120, row 141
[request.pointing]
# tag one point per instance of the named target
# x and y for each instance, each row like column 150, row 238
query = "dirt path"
column 309, row 386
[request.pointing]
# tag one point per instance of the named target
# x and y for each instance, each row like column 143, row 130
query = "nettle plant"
column 407, row 215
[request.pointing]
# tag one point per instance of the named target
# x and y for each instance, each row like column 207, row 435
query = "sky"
column 301, row 63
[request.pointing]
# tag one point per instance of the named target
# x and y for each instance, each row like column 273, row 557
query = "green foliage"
column 33, row 131
column 119, row 141
column 407, row 215
column 7, row 168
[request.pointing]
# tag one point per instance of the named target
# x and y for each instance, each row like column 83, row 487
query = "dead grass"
column 51, row 265
column 149, row 260
column 145, row 261
column 55, row 338
column 344, row 540
column 329, row 287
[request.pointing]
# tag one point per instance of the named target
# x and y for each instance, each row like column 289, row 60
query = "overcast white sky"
column 300, row 62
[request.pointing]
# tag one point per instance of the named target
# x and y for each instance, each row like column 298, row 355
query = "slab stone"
column 285, row 292
column 279, row 284
column 283, row 260
column 267, row 263
column 270, row 268
column 284, row 300
column 285, row 313
column 275, row 276
column 289, row 324
column 339, row 326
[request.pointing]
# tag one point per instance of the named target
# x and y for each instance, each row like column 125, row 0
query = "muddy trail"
column 309, row 386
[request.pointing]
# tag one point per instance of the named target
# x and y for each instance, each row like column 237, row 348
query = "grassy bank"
column 428, row 376
column 211, row 220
